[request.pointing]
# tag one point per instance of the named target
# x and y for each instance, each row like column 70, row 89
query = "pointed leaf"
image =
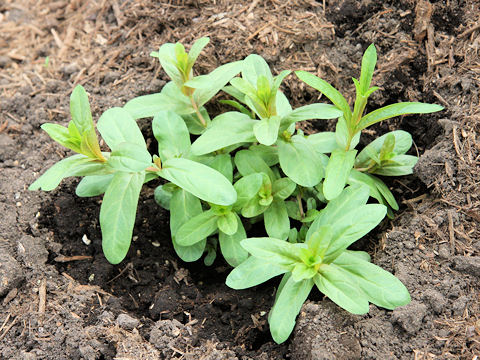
column 248, row 162
column 80, row 110
column 247, row 188
column 337, row 171
column 228, row 223
column 274, row 251
column 323, row 142
column 403, row 142
column 200, row 180
column 93, row 185
column 232, row 251
column 368, row 67
column 62, row 135
column 129, row 157
column 300, row 162
column 398, row 109
column 266, row 130
column 172, row 135
column 255, row 66
column 117, row 214
column 286, row 308
column 197, row 228
column 276, row 220
column 309, row 112
column 252, row 272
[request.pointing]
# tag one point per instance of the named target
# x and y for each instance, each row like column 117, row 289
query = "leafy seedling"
column 346, row 277
column 386, row 159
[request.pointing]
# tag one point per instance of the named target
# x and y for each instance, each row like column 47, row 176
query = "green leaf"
column 283, row 188
column 282, row 104
column 200, row 180
column 80, row 110
column 328, row 90
column 226, row 129
column 117, row 214
column 207, row 86
column 368, row 67
column 299, row 161
column 309, row 112
column 183, row 207
column 197, row 228
column 398, row 109
column 380, row 287
column 228, row 223
column 232, row 251
column 403, row 142
column 196, row 49
column 93, row 185
column 168, row 57
column 252, row 272
column 323, row 142
column 117, row 126
column 301, row 271
column 351, row 198
column 274, row 251
column 397, row 166
column 385, row 191
column 129, row 157
column 351, row 226
column 337, row 171
column 76, row 165
column 248, row 162
column 269, row 154
column 276, row 220
column 266, row 130
column 286, row 308
column 62, row 135
column 341, row 289
column 255, row 66
column 237, row 106
column 172, row 135
column 211, row 250
column 359, row 178
column 223, row 164
column 162, row 197
column 318, row 243
column 293, row 210
column 194, row 123
column 247, row 188
column 254, row 207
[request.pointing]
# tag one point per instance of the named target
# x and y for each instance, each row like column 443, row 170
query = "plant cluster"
column 248, row 166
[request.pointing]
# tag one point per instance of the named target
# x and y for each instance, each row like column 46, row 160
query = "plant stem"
column 194, row 104
column 300, row 207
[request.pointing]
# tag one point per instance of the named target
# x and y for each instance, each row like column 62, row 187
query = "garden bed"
column 63, row 300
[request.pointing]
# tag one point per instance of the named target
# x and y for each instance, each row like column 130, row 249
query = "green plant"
column 249, row 166
column 346, row 277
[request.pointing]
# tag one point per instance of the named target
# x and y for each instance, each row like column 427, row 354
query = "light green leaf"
column 228, row 223
column 351, row 198
column 403, row 142
column 183, row 207
column 237, row 106
column 380, row 287
column 351, row 226
column 117, row 126
column 232, row 251
column 282, row 104
column 337, row 171
column 207, row 86
column 359, row 178
column 254, row 207
column 76, row 165
column 269, row 154
column 301, row 271
column 286, row 308
column 80, row 110
column 368, row 67
column 274, row 251
column 197, row 228
column 283, row 188
column 62, row 135
column 172, row 135
column 93, row 185
column 341, row 289
column 196, row 49
column 309, row 112
column 248, row 162
column 200, row 180
column 225, row 130
column 162, row 197
column 328, row 90
column 252, row 272
column 255, row 66
column 117, row 214
column 247, row 188
column 398, row 109
column 299, row 161
column 129, row 157
column 323, row 142
column 266, row 130
column 385, row 191
column 194, row 123
column 223, row 164
column 276, row 220
column 397, row 166
column 167, row 55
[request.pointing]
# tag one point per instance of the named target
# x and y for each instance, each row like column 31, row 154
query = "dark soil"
column 63, row 300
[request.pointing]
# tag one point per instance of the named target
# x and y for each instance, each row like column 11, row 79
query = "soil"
column 62, row 300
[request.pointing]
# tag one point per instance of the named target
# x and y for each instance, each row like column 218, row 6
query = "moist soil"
column 62, row 300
